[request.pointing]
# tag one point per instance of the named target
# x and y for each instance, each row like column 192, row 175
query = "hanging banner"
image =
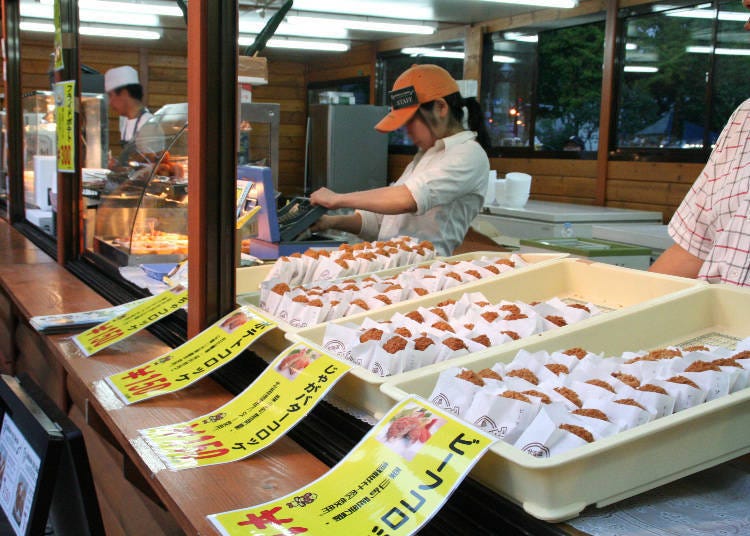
column 65, row 93
column 392, row 482
column 59, row 65
column 140, row 317
column 208, row 351
column 275, row 402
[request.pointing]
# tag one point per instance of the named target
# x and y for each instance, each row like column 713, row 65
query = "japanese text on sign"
column 394, row 480
column 212, row 348
column 136, row 319
column 276, row 401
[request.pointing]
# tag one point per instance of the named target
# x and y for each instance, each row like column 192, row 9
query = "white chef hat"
column 119, row 77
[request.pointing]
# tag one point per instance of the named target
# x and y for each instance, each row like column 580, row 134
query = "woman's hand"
column 325, row 198
column 323, row 224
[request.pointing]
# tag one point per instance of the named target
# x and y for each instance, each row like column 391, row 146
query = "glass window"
column 570, row 88
column 507, row 87
column 663, row 80
column 449, row 55
column 40, row 159
column 683, row 74
column 542, row 90
column 731, row 64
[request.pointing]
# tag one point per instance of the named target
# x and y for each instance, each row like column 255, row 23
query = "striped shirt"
column 713, row 221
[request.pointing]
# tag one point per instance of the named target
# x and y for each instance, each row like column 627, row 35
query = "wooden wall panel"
column 359, row 61
column 287, row 87
column 655, row 186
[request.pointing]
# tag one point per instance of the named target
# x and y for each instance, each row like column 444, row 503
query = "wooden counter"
column 32, row 284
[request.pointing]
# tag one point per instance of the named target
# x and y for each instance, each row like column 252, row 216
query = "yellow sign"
column 275, row 402
column 123, row 326
column 59, row 65
column 392, row 483
column 212, row 348
column 65, row 128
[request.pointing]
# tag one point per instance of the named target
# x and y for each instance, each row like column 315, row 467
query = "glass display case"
column 141, row 217
column 142, row 213
column 40, row 149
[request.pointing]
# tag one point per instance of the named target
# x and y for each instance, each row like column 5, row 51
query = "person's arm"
column 677, row 261
column 386, row 200
column 350, row 223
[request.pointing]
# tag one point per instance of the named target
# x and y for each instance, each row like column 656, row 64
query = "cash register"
column 281, row 231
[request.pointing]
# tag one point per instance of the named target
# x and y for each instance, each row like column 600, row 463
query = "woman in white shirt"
column 442, row 190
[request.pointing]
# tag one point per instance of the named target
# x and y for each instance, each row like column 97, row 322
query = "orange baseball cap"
column 417, row 85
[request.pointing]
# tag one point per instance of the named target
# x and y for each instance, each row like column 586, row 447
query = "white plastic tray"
column 609, row 287
column 275, row 340
column 639, row 459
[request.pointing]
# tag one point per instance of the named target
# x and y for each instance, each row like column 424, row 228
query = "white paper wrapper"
column 272, row 300
column 623, row 416
column 384, row 363
column 303, row 314
column 339, row 339
column 656, row 403
column 543, row 438
column 505, row 418
column 715, row 384
column 452, row 394
column 327, row 268
column 685, row 396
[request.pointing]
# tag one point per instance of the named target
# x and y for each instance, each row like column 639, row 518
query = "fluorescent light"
column 304, row 44
column 45, row 27
column 39, row 11
column 100, row 31
column 709, row 14
column 372, row 25
column 640, row 69
column 518, row 36
column 372, row 8
column 432, row 53
column 328, row 31
column 561, row 4
column 631, row 46
column 96, row 31
column 498, row 58
column 150, row 8
column 719, row 50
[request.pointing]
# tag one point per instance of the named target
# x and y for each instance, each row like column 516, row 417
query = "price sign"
column 393, row 482
column 65, row 125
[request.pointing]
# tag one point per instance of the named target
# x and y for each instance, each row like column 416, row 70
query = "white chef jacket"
column 130, row 127
column 448, row 183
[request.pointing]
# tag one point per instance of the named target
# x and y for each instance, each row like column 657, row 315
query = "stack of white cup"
column 489, row 196
column 517, row 189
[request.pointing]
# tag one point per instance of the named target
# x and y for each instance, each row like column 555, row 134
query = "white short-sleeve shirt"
column 448, row 183
column 713, row 221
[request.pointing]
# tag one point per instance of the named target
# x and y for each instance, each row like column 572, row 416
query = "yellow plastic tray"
column 607, row 286
column 639, row 459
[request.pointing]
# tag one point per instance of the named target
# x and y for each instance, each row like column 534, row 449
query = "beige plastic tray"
column 639, row 459
column 250, row 278
column 576, row 280
column 275, row 341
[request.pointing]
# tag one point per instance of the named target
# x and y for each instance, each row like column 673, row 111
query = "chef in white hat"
column 125, row 97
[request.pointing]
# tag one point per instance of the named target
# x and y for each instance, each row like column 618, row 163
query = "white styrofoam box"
column 609, row 287
column 630, row 462
column 45, row 179
column 40, row 218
